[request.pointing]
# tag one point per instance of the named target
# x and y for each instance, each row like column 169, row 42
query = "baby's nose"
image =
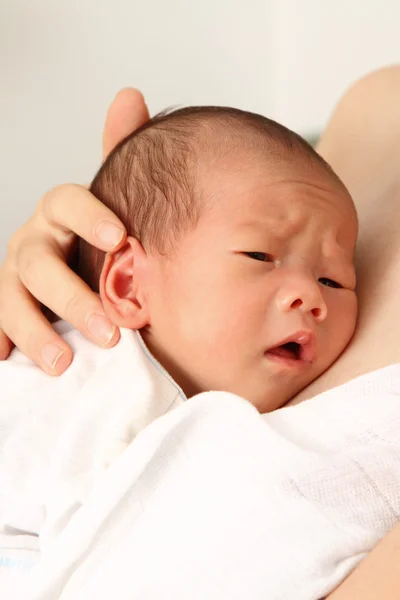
column 303, row 293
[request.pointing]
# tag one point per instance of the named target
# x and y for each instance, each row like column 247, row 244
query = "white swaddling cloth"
column 213, row 500
column 58, row 435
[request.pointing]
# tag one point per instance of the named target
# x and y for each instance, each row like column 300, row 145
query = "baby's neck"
column 163, row 356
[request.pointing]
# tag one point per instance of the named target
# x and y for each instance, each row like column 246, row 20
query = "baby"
column 237, row 275
column 238, row 271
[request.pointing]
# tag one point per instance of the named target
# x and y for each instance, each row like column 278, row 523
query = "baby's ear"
column 122, row 286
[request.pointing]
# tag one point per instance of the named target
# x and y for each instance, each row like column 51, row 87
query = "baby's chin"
column 268, row 404
column 267, row 388
column 266, row 401
column 277, row 395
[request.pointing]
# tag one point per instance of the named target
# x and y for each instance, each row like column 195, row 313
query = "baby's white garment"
column 59, row 435
column 215, row 501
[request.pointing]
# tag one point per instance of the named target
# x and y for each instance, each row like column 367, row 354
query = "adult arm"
column 362, row 144
column 377, row 577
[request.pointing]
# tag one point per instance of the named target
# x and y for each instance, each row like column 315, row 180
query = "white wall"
column 61, row 62
column 321, row 47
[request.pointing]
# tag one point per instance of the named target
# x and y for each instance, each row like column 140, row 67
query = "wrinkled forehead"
column 255, row 190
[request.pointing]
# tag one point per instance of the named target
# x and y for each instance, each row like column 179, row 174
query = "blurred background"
column 62, row 61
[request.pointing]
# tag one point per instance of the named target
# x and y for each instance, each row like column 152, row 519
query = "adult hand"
column 35, row 271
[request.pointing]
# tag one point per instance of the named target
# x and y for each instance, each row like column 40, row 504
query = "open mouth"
column 289, row 350
column 298, row 348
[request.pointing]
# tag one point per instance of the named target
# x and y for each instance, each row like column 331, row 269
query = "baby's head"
column 239, row 266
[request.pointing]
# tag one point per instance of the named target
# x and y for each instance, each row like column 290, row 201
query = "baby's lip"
column 305, row 352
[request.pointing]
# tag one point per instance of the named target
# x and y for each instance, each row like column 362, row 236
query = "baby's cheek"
column 343, row 318
column 350, row 312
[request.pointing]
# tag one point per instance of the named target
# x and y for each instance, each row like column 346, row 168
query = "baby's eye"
column 329, row 282
column 262, row 256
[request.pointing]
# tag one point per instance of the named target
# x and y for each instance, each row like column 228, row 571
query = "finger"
column 6, row 345
column 64, row 206
column 127, row 112
column 51, row 282
column 35, row 337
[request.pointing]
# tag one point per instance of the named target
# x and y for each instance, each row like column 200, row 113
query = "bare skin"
column 361, row 142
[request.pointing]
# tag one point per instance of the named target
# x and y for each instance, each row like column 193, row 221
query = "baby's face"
column 259, row 299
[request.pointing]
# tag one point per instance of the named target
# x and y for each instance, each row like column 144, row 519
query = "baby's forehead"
column 249, row 195
column 270, row 177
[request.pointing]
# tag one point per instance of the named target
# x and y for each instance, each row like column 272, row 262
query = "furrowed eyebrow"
column 280, row 228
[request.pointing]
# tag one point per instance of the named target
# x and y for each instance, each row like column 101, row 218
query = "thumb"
column 127, row 112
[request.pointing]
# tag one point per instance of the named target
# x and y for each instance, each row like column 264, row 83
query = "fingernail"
column 101, row 329
column 50, row 355
column 109, row 234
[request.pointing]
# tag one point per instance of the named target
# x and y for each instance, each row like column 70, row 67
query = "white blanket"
column 214, row 501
